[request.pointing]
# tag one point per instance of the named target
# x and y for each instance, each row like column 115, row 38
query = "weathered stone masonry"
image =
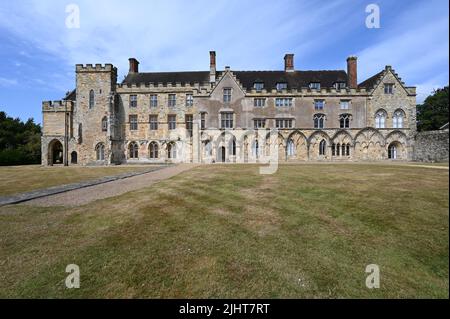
column 216, row 116
column 431, row 146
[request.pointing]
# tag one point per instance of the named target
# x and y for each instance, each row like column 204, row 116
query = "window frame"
column 316, row 105
column 320, row 124
column 280, row 86
column 172, row 100
column 344, row 101
column 227, row 95
column 258, row 86
column 133, row 150
column 133, row 122
column 284, row 102
column 259, row 123
column 259, row 102
column 284, row 123
column 203, row 120
column 171, row 122
column 315, row 86
column 153, row 100
column 91, row 99
column 153, row 122
column 133, row 100
column 104, row 124
column 153, row 151
column 388, row 88
column 189, row 100
column 228, row 120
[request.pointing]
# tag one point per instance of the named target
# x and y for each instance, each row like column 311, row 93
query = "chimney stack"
column 134, row 65
column 289, row 62
column 212, row 66
column 352, row 72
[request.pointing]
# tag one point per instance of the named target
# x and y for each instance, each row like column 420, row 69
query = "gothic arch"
column 369, row 144
column 314, row 148
column 298, row 150
column 55, row 152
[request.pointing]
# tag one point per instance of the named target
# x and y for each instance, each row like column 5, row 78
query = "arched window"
column 319, row 120
column 153, row 150
column 398, row 119
column 133, row 150
column 80, row 133
column 100, row 152
column 392, row 151
column 208, row 149
column 347, row 149
column 322, row 147
column 91, row 99
column 233, row 147
column 104, row 124
column 344, row 120
column 380, row 119
column 171, row 150
column 290, row 148
column 255, row 148
column 338, row 149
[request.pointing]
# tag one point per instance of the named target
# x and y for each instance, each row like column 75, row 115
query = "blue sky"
column 38, row 52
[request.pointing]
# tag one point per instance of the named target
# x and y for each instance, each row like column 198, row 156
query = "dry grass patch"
column 19, row 179
column 306, row 232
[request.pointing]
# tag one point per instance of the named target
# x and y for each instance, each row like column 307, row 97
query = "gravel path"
column 110, row 189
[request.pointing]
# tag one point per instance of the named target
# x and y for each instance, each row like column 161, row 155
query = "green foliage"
column 433, row 113
column 20, row 143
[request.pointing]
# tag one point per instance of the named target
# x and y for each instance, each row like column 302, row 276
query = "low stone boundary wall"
column 431, row 146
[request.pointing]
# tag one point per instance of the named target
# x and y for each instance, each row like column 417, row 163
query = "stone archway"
column 221, row 156
column 73, row 158
column 55, row 153
column 396, row 151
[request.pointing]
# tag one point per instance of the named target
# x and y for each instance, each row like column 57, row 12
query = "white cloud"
column 8, row 82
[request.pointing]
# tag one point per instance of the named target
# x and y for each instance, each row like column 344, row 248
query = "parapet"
column 95, row 68
column 57, row 106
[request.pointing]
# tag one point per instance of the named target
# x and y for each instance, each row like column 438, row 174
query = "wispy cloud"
column 177, row 35
column 8, row 82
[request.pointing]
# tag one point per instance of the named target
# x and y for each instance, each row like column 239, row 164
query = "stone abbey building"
column 229, row 116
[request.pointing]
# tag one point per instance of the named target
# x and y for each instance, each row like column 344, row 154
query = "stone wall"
column 432, row 146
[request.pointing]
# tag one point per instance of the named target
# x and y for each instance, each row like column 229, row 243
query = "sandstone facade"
column 229, row 116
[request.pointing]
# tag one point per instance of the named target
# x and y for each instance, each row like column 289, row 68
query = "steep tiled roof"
column 167, row 77
column 296, row 79
column 71, row 96
column 372, row 81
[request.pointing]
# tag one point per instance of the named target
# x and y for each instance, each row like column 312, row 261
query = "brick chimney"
column 352, row 72
column 212, row 66
column 289, row 62
column 134, row 65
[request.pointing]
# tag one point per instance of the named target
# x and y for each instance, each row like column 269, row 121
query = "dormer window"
column 314, row 85
column 258, row 86
column 281, row 86
column 339, row 85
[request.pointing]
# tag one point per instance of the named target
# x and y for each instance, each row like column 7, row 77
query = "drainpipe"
column 66, row 136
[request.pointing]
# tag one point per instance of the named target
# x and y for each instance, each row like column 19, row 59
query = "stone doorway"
column 55, row 153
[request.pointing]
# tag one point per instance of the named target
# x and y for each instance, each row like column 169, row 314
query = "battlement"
column 57, row 106
column 95, row 68
column 309, row 91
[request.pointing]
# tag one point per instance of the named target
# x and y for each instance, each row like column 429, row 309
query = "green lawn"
column 225, row 231
column 18, row 179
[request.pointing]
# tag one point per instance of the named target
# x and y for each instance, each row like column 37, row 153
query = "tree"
column 20, row 143
column 434, row 111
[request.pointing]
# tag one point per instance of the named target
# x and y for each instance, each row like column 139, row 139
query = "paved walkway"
column 109, row 189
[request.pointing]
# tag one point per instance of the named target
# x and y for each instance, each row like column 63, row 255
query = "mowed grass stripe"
column 225, row 231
